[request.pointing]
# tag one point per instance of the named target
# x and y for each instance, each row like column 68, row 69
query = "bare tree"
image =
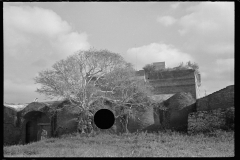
column 127, row 90
column 88, row 75
column 75, row 77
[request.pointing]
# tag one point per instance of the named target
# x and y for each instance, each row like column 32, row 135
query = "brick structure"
column 11, row 132
column 223, row 98
column 159, row 65
column 54, row 118
column 215, row 111
column 204, row 121
column 173, row 112
column 171, row 81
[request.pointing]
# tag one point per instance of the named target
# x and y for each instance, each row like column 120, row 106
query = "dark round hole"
column 104, row 119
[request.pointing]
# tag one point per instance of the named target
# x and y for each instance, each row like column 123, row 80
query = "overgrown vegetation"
column 181, row 66
column 87, row 76
column 164, row 144
column 150, row 68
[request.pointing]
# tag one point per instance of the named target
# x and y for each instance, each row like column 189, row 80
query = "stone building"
column 11, row 124
column 215, row 111
column 169, row 82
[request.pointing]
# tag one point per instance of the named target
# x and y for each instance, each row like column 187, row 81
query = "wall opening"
column 31, row 132
column 38, row 126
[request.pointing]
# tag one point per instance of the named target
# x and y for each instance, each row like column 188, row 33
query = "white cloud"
column 203, row 75
column 156, row 52
column 18, row 92
column 166, row 20
column 71, row 42
column 209, row 26
column 35, row 20
column 34, row 39
column 176, row 5
column 24, row 24
column 225, row 65
column 17, row 86
column 220, row 48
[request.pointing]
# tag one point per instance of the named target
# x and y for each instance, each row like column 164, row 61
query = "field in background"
column 165, row 144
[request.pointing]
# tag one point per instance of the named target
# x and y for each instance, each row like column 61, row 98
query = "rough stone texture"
column 104, row 103
column 161, row 97
column 32, row 113
column 203, row 121
column 171, row 82
column 223, row 98
column 230, row 118
column 12, row 132
column 67, row 120
column 141, row 118
column 190, row 88
column 60, row 116
column 173, row 113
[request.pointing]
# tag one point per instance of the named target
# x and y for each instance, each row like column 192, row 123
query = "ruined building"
column 167, row 82
column 178, row 107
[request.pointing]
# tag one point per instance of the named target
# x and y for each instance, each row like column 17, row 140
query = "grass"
column 164, row 144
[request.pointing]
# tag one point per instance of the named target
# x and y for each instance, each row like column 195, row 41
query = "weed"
column 163, row 144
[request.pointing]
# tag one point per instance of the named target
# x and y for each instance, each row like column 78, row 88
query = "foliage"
column 150, row 68
column 181, row 66
column 163, row 144
column 74, row 78
column 89, row 75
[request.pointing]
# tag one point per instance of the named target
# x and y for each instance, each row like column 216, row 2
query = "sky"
column 38, row 34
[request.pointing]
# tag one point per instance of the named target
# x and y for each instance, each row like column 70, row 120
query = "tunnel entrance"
column 38, row 126
column 31, row 131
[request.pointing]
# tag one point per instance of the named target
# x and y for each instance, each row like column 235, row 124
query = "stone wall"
column 176, row 89
column 171, row 82
column 215, row 111
column 11, row 131
column 141, row 118
column 188, row 73
column 205, row 121
column 66, row 120
column 173, row 112
column 223, row 98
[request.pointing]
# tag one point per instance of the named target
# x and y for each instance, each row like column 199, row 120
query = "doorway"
column 31, row 131
column 36, row 123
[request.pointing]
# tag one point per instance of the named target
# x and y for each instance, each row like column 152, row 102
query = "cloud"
column 39, row 63
column 34, row 39
column 18, row 92
column 176, row 5
column 17, row 86
column 156, row 52
column 71, row 42
column 166, row 20
column 220, row 48
column 209, row 26
column 38, row 25
column 35, row 20
column 220, row 74
column 225, row 65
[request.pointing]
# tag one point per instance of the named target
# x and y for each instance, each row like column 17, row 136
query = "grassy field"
column 166, row 144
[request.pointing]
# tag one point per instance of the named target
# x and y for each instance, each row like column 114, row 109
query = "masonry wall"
column 204, row 121
column 215, row 111
column 11, row 130
column 171, row 82
column 223, row 98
